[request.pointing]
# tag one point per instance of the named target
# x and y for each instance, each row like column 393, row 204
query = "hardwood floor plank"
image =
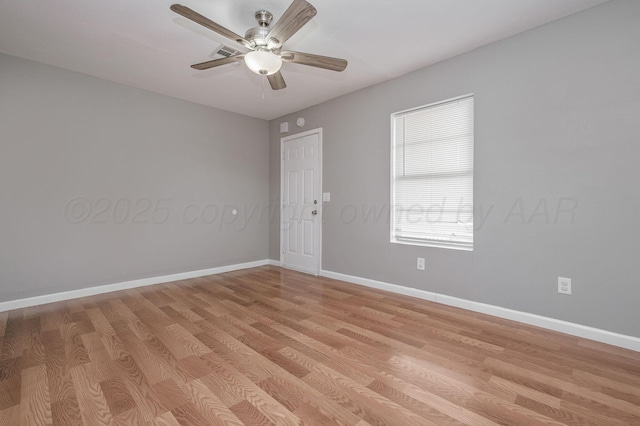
column 66, row 412
column 4, row 316
column 10, row 392
column 273, row 346
column 209, row 405
column 185, row 312
column 74, row 348
column 151, row 365
column 186, row 341
column 285, row 363
column 10, row 416
column 250, row 415
column 170, row 394
column 13, row 341
column 58, row 374
column 430, row 398
column 429, row 415
column 157, row 348
column 117, row 396
column 240, row 387
column 179, row 319
column 35, row 402
column 308, row 395
column 571, row 390
column 314, row 417
column 563, row 415
column 167, row 419
column 101, row 367
column 282, row 392
column 10, row 367
column 33, row 353
column 519, row 390
column 91, row 400
column 147, row 401
column 187, row 415
column 129, row 417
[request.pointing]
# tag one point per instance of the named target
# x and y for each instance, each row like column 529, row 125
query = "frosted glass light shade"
column 263, row 62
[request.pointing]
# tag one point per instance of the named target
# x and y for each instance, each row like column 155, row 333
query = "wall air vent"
column 224, row 52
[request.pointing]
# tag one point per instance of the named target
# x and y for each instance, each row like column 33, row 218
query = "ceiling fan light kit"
column 265, row 42
column 263, row 62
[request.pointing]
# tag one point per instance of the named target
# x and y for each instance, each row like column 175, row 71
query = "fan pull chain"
column 263, row 86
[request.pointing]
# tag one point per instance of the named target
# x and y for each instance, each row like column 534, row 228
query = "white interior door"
column 301, row 214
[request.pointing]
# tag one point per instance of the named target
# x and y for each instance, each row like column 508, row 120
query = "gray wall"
column 557, row 122
column 75, row 151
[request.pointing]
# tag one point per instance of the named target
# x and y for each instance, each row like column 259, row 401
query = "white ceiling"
column 143, row 44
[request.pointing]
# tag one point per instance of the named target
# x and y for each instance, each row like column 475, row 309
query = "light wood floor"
column 269, row 346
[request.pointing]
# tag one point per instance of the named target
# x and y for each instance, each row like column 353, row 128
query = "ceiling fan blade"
column 276, row 81
column 208, row 23
column 217, row 62
column 299, row 13
column 326, row 62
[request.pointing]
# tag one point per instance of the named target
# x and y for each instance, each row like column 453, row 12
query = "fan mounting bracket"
column 264, row 17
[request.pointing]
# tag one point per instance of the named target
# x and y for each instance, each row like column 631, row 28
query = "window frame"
column 454, row 245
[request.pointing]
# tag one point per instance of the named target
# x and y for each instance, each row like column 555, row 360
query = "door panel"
column 301, row 205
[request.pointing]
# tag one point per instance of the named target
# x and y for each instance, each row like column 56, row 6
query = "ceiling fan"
column 265, row 42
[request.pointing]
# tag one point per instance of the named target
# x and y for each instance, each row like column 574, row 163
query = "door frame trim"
column 320, row 203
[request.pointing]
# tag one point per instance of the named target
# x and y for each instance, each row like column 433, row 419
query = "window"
column 432, row 175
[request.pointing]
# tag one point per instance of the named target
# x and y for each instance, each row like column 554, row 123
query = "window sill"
column 435, row 244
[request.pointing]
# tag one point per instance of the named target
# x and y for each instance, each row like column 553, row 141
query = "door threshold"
column 300, row 269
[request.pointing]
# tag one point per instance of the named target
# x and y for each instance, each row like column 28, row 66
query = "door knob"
column 314, row 212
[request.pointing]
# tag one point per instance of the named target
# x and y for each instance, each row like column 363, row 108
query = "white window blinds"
column 432, row 176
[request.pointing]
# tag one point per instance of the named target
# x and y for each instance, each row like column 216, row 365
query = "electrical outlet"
column 421, row 263
column 564, row 285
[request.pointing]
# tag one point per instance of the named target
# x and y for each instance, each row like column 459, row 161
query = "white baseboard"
column 394, row 288
column 91, row 291
column 274, row 262
column 604, row 336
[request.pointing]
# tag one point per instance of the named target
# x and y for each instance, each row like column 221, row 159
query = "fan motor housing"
column 258, row 35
